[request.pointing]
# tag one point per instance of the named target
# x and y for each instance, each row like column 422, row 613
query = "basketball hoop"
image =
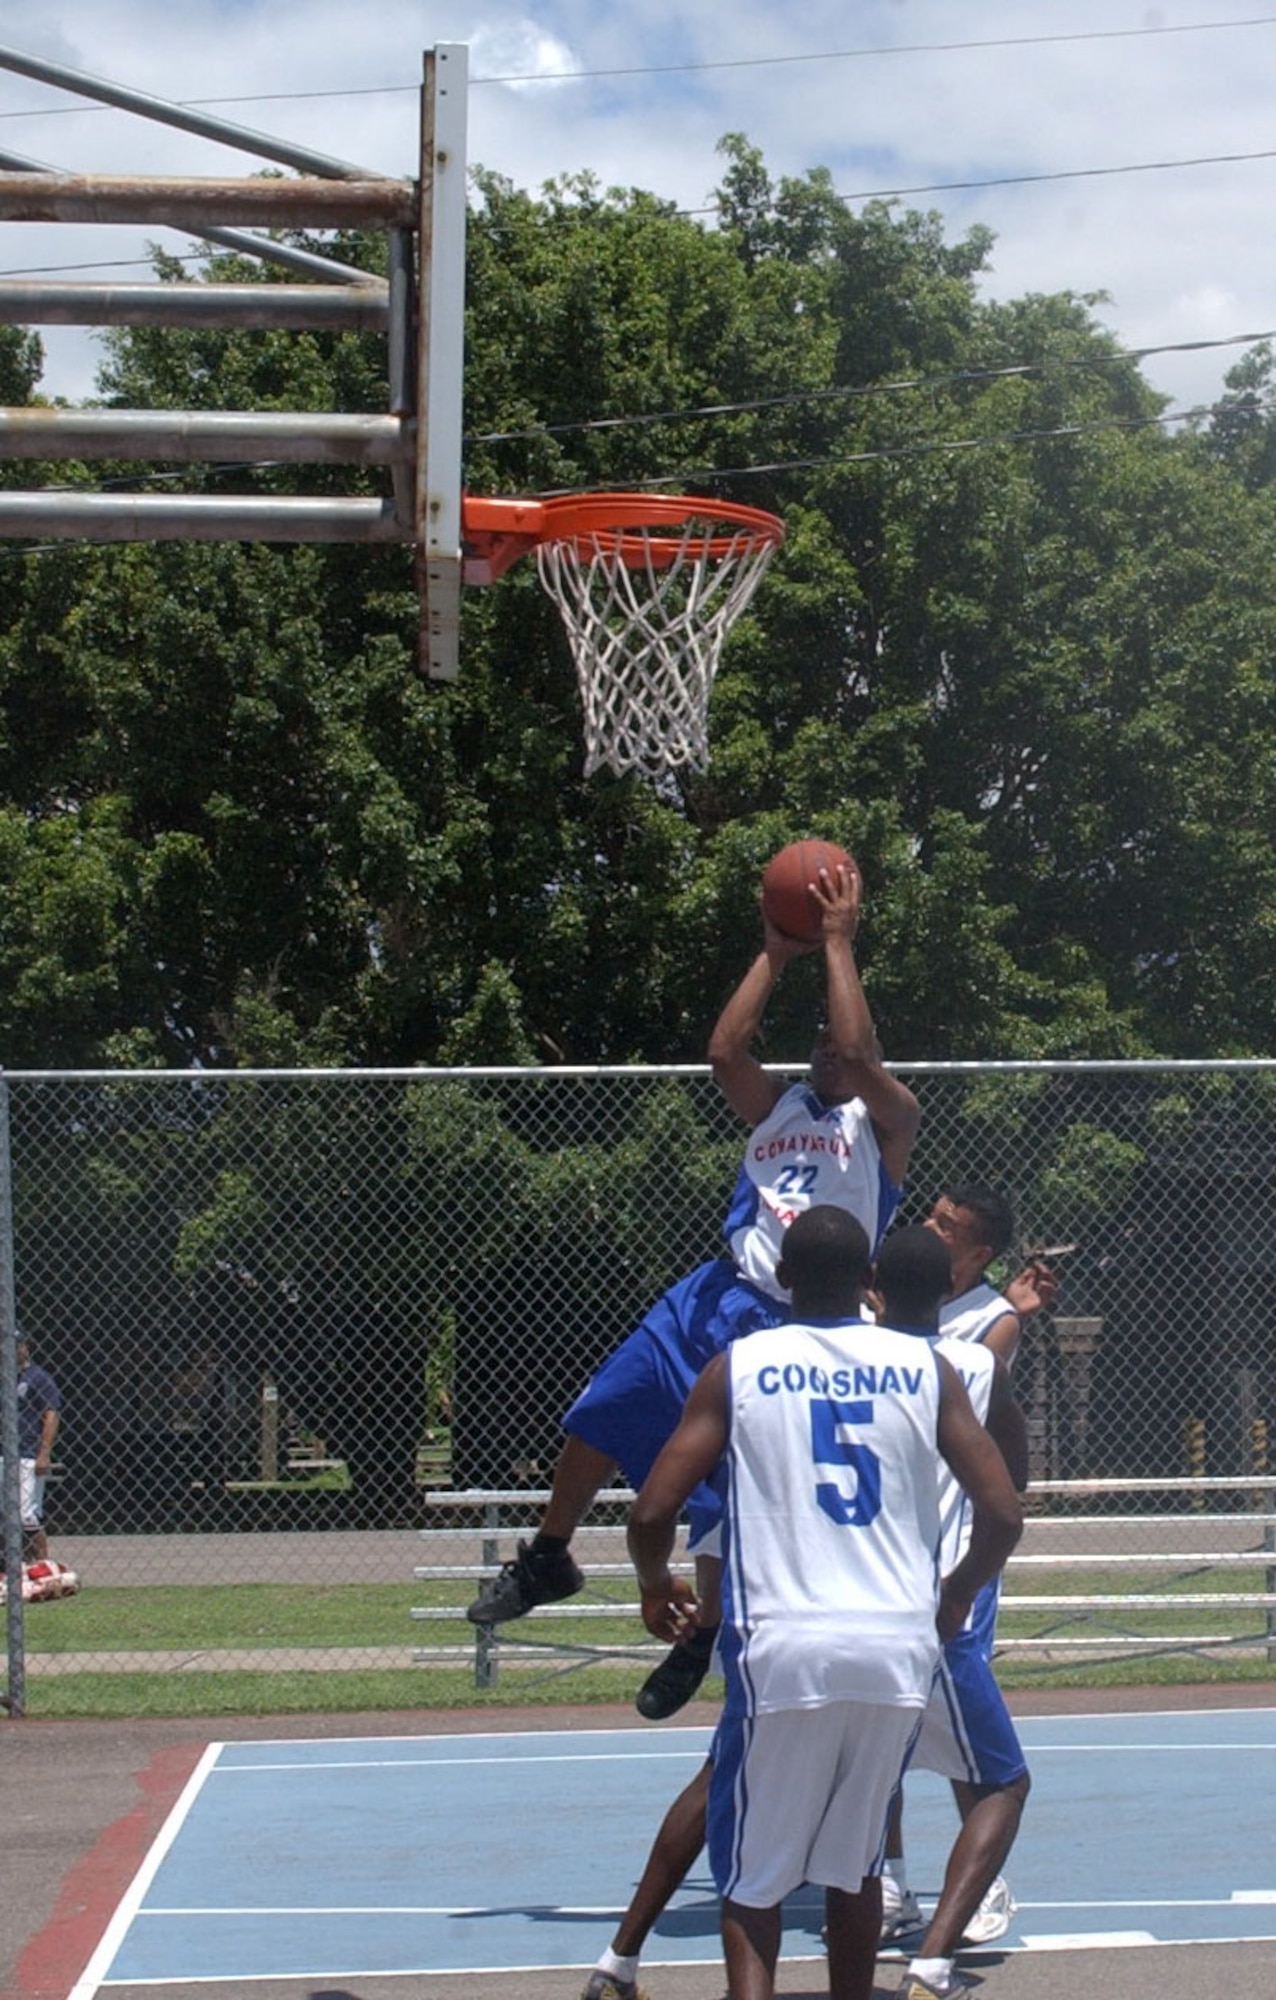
column 648, row 586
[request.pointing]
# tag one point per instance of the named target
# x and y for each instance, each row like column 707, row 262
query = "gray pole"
column 288, row 256
column 307, row 263
column 16, row 1698
column 194, row 517
column 165, row 113
column 192, row 436
column 402, row 366
column 184, row 202
column 356, row 308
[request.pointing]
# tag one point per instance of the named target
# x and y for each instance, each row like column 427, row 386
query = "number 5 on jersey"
column 829, row 1446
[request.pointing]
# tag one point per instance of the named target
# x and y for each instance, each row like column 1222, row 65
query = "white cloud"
column 1179, row 250
column 522, row 50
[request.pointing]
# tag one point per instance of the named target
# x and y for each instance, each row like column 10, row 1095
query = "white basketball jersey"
column 976, row 1364
column 832, row 1518
column 970, row 1314
column 803, row 1153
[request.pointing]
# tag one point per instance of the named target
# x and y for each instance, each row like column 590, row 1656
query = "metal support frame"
column 441, row 330
column 354, row 308
column 189, row 436
column 420, row 308
column 14, row 1698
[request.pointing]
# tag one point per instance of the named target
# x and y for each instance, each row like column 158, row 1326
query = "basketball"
column 787, row 902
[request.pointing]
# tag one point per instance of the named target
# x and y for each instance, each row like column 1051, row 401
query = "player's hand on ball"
column 839, row 896
column 779, row 946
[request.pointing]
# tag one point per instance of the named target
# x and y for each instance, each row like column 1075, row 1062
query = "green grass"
column 330, row 1479
column 199, row 1618
column 214, row 1616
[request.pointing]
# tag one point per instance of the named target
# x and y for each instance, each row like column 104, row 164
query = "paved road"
column 81, row 1802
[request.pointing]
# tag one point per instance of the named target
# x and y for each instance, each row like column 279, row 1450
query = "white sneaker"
column 901, row 1912
column 992, row 1919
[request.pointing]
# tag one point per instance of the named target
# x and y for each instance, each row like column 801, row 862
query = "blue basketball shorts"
column 631, row 1405
column 967, row 1732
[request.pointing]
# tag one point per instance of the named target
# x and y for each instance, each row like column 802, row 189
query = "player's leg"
column 901, row 1911
column 990, row 1822
column 624, row 1414
column 751, row 1946
column 35, row 1543
column 863, row 1779
column 543, row 1571
column 851, row 1927
column 673, row 1851
column 969, row 1738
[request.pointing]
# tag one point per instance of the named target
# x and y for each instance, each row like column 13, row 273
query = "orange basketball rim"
column 648, row 587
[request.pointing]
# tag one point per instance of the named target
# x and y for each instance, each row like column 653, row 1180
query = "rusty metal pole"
column 15, row 1698
column 177, row 202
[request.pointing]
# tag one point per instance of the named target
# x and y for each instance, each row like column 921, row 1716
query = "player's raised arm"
column 891, row 1105
column 746, row 1085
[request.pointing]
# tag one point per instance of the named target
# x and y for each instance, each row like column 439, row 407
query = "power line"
column 1061, row 174
column 897, row 49
column 926, row 449
column 726, row 63
column 101, row 264
column 950, row 379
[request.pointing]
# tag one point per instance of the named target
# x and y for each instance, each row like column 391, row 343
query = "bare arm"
column 48, row 1432
column 1032, row 1290
column 892, row 1106
column 748, row 1089
column 1007, row 1427
column 1003, row 1337
column 690, row 1455
column 997, row 1517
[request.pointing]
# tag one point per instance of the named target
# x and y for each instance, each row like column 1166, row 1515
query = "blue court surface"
column 435, row 1854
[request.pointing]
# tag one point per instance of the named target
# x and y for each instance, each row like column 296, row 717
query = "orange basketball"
column 787, row 901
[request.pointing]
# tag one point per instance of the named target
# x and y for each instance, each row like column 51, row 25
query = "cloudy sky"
column 1114, row 147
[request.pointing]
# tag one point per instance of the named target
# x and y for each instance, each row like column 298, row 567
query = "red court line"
column 53, row 1960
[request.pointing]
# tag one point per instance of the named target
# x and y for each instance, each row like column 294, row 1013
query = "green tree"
column 1015, row 654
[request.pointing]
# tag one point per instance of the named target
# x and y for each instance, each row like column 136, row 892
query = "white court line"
column 1237, row 1897
column 1091, row 1940
column 1179, row 1749
column 457, row 1763
column 92, row 1976
column 398, row 1910
column 309, row 1766
column 1151, row 1902
column 1051, row 1941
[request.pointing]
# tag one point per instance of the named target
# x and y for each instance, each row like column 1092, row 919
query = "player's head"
column 913, row 1276
column 824, row 1263
column 977, row 1222
column 832, row 1076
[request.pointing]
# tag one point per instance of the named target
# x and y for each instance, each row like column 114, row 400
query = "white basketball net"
column 646, row 634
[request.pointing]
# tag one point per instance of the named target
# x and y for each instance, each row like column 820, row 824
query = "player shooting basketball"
column 843, row 1138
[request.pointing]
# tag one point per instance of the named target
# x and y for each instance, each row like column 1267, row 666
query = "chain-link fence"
column 285, row 1309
